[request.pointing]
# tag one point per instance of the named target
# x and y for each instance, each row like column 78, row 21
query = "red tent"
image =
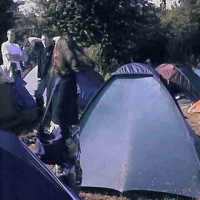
column 181, row 79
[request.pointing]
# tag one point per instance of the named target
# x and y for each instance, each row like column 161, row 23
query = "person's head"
column 46, row 41
column 68, row 55
column 11, row 35
column 64, row 57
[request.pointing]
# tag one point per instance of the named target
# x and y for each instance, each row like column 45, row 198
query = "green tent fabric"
column 134, row 138
column 9, row 116
column 8, row 111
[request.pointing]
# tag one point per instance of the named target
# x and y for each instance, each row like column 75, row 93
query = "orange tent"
column 195, row 108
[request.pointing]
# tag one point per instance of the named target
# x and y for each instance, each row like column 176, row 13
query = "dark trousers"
column 18, row 73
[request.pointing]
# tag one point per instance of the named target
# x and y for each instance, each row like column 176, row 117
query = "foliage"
column 126, row 31
column 176, row 25
column 183, row 40
column 27, row 20
column 117, row 32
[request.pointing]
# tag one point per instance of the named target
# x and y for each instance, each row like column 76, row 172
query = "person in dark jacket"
column 44, row 49
column 68, row 59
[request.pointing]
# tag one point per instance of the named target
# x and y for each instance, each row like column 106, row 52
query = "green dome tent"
column 10, row 117
column 135, row 139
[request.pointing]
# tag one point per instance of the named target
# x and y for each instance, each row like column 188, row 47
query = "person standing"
column 12, row 54
column 44, row 49
column 68, row 59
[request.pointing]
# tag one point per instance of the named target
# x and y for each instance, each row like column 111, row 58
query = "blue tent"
column 88, row 84
column 137, row 68
column 24, row 177
column 134, row 138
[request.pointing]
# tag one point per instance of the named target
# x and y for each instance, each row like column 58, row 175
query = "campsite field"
column 193, row 119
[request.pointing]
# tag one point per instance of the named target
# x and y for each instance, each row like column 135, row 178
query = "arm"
column 21, row 56
column 18, row 56
column 14, row 57
column 33, row 40
column 37, row 45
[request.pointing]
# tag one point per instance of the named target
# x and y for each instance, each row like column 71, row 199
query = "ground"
column 193, row 119
column 89, row 196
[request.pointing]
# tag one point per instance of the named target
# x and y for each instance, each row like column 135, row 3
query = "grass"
column 194, row 120
column 90, row 196
column 97, row 196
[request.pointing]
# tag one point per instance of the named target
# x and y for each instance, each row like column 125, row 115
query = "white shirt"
column 10, row 48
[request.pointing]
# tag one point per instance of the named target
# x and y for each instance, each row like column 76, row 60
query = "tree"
column 183, row 24
column 121, row 28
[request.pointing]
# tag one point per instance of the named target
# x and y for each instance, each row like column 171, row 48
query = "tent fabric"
column 7, row 106
column 24, row 177
column 135, row 144
column 197, row 71
column 167, row 71
column 137, row 68
column 9, row 115
column 140, row 68
column 195, row 108
column 181, row 79
column 88, row 84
